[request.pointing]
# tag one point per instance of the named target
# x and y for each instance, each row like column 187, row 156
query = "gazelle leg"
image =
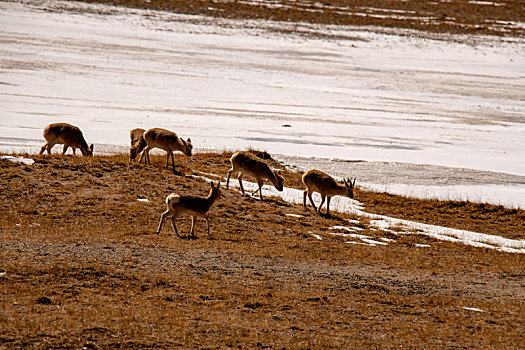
column 167, row 159
column 193, row 219
column 162, row 218
column 260, row 183
column 148, row 160
column 328, row 205
column 174, row 225
column 228, row 179
column 144, row 155
column 305, row 193
column 49, row 146
column 64, row 150
column 311, row 200
column 172, row 161
column 43, row 149
column 240, row 182
column 320, row 205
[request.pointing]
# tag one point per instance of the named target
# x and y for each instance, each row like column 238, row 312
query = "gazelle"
column 190, row 205
column 166, row 140
column 318, row 181
column 137, row 143
column 246, row 163
column 67, row 135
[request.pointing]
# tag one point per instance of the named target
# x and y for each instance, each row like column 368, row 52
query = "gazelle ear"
column 91, row 147
column 346, row 183
column 188, row 140
column 353, row 184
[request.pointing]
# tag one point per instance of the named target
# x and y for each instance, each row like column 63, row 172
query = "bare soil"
column 81, row 267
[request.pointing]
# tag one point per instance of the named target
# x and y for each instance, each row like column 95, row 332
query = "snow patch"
column 21, row 160
column 351, row 206
column 473, row 309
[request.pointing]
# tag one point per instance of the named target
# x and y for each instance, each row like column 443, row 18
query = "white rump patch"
column 173, row 199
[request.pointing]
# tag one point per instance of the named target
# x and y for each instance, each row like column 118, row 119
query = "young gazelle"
column 190, row 205
column 246, row 163
column 317, row 181
column 166, row 140
column 68, row 135
column 137, row 143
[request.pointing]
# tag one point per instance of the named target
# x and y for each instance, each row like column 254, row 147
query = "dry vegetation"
column 81, row 267
column 493, row 17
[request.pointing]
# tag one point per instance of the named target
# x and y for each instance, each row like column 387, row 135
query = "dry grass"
column 456, row 16
column 82, row 267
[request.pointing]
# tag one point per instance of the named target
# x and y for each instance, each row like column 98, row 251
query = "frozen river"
column 423, row 116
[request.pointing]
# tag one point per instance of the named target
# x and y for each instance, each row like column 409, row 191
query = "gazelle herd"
column 242, row 163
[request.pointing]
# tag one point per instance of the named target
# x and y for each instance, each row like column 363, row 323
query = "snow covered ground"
column 382, row 223
column 410, row 105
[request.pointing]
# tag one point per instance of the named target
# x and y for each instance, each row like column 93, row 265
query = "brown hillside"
column 80, row 266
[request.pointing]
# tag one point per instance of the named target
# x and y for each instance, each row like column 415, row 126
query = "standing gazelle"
column 317, row 181
column 246, row 163
column 190, row 205
column 67, row 135
column 166, row 140
column 137, row 143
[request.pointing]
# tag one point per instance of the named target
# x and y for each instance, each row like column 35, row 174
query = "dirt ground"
column 81, row 267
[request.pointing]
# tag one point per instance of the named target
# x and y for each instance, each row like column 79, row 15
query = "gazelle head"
column 279, row 183
column 87, row 151
column 187, row 147
column 215, row 191
column 349, row 187
column 133, row 151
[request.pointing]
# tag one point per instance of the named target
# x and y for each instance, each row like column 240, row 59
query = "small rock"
column 44, row 301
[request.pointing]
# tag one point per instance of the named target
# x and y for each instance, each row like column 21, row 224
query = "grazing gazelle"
column 190, row 205
column 246, row 163
column 137, row 143
column 67, row 135
column 317, row 181
column 166, row 140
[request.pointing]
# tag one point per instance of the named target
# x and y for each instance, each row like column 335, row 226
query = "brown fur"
column 246, row 163
column 189, row 205
column 166, row 140
column 318, row 181
column 137, row 143
column 67, row 135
